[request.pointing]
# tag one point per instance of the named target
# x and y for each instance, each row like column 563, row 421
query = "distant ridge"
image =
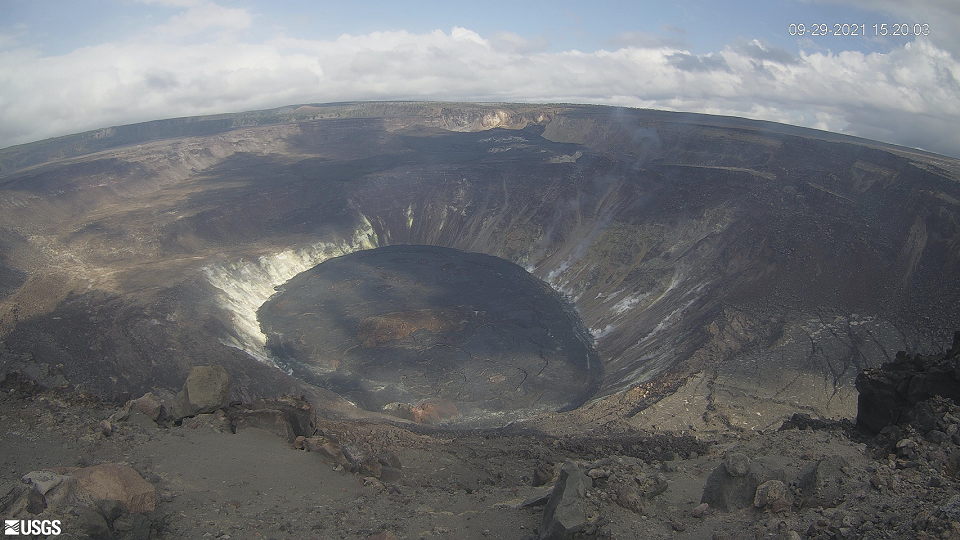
column 26, row 155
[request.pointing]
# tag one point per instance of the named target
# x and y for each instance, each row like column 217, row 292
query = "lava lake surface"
column 433, row 334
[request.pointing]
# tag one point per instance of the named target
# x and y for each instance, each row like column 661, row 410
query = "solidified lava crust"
column 433, row 334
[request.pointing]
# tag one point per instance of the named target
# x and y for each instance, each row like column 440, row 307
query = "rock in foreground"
column 890, row 392
column 205, row 391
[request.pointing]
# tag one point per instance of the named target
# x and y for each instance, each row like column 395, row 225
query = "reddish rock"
column 117, row 483
column 701, row 510
column 326, row 447
column 434, row 412
column 149, row 405
column 772, row 493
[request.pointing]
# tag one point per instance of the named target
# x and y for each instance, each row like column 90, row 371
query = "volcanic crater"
column 740, row 266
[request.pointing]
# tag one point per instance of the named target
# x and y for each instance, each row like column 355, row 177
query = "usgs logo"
column 31, row 526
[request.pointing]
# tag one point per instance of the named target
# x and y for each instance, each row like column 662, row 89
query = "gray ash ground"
column 474, row 339
column 215, row 478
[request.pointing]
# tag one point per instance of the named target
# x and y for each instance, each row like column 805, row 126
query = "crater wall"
column 774, row 261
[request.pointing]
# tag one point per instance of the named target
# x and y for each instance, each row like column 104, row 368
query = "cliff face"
column 775, row 262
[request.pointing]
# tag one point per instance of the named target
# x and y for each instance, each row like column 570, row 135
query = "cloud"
column 514, row 43
column 688, row 62
column 766, row 53
column 909, row 95
column 943, row 16
column 201, row 16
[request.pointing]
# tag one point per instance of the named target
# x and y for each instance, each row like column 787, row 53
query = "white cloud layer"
column 195, row 63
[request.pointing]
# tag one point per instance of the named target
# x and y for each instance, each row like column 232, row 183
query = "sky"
column 68, row 66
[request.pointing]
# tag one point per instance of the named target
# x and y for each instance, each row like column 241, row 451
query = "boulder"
column 46, row 481
column 205, row 391
column 288, row 417
column 432, row 412
column 270, row 420
column 215, row 421
column 566, row 511
column 737, row 464
column 390, row 475
column 389, row 459
column 149, row 405
column 824, row 483
column 40, row 494
column 52, row 491
column 327, row 448
column 730, row 487
column 543, row 473
column 298, row 411
column 772, row 494
column 651, row 485
column 87, row 500
column 539, row 498
column 950, row 509
column 21, row 499
column 91, row 522
column 27, row 377
column 369, row 466
column 628, row 498
column 120, row 484
column 888, row 393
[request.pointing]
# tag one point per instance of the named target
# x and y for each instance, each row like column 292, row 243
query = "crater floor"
column 434, row 334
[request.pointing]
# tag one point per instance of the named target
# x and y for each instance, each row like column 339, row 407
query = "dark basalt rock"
column 889, row 393
column 805, row 421
column 730, row 490
column 824, row 482
column 566, row 512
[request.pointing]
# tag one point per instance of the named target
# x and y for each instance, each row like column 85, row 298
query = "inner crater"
column 433, row 334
